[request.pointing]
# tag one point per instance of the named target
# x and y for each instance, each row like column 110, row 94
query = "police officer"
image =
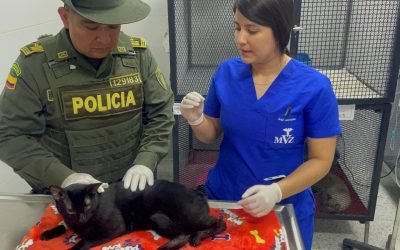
column 88, row 104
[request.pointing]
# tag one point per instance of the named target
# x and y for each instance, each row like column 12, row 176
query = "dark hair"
column 275, row 14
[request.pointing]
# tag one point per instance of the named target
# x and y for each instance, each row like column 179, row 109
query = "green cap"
column 110, row 11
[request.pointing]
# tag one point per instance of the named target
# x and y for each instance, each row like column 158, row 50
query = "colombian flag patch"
column 11, row 82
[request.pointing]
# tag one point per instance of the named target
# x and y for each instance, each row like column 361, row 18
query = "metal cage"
column 354, row 42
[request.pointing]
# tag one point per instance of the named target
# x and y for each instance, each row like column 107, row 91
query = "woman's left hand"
column 259, row 200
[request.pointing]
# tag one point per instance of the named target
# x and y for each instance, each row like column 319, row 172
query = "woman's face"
column 256, row 43
column 91, row 39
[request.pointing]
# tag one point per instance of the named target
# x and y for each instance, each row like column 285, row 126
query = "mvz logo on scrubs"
column 286, row 138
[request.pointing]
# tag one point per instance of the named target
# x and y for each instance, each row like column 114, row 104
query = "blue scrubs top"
column 264, row 138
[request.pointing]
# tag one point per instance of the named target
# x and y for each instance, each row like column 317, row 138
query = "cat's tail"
column 176, row 242
column 217, row 227
column 220, row 226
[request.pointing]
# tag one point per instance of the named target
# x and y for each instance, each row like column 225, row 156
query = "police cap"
column 110, row 11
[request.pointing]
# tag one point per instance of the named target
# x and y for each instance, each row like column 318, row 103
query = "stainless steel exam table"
column 19, row 212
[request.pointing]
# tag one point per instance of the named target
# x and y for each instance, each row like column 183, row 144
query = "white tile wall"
column 22, row 21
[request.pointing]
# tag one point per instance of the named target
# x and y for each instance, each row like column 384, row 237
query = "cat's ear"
column 92, row 188
column 57, row 192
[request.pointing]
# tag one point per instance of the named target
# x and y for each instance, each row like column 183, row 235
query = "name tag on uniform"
column 86, row 103
column 125, row 80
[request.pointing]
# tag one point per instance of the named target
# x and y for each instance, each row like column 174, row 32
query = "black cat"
column 172, row 210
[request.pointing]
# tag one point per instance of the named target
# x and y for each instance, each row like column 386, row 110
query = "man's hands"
column 137, row 176
column 259, row 200
column 192, row 106
column 83, row 178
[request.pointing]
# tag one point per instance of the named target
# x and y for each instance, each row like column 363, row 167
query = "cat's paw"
column 175, row 243
column 53, row 233
column 220, row 226
column 196, row 238
column 46, row 235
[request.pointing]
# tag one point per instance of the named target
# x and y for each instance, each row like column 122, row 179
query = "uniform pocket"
column 284, row 133
column 105, row 149
column 56, row 143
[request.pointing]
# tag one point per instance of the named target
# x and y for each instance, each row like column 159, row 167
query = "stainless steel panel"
column 18, row 212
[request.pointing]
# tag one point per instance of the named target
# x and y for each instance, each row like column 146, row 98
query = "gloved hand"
column 83, row 178
column 259, row 200
column 136, row 176
column 192, row 106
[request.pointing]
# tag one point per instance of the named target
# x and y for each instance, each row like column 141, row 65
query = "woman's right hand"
column 192, row 106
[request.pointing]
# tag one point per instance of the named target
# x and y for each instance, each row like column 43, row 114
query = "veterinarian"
column 87, row 105
column 268, row 107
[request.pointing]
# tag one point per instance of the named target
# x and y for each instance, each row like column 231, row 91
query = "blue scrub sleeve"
column 322, row 114
column 212, row 106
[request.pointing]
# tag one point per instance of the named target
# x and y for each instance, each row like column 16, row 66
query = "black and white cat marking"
column 172, row 210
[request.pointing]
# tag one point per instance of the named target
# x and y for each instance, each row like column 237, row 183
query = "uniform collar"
column 124, row 46
column 65, row 51
column 64, row 48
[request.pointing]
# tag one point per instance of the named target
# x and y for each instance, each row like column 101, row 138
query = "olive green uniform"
column 59, row 115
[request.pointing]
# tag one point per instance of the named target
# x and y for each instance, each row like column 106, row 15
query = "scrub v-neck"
column 271, row 88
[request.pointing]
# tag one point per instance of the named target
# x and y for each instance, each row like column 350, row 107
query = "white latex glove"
column 83, row 178
column 137, row 176
column 259, row 200
column 192, row 106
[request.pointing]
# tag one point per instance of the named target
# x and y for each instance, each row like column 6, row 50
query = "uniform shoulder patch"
column 32, row 48
column 12, row 77
column 138, row 42
column 11, row 82
column 161, row 79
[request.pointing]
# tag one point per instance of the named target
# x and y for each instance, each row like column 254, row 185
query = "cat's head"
column 76, row 203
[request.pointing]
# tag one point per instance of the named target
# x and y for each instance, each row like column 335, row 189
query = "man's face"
column 91, row 39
